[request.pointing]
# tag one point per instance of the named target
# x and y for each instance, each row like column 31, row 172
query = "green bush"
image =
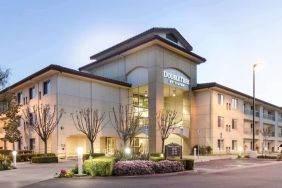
column 44, row 159
column 100, row 166
column 28, row 156
column 5, row 163
column 266, row 157
column 156, row 157
column 187, row 163
column 95, row 155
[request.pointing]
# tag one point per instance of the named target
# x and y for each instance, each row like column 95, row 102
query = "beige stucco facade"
column 151, row 76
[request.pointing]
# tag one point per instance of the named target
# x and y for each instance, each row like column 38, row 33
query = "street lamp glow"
column 240, row 149
column 258, row 65
column 79, row 151
column 127, row 150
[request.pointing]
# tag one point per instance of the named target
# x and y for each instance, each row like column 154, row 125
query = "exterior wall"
column 75, row 94
column 205, row 112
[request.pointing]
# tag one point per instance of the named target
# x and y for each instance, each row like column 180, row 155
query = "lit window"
column 220, row 99
column 234, row 103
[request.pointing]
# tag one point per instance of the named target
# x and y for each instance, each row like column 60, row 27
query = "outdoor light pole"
column 79, row 160
column 254, row 102
column 255, row 67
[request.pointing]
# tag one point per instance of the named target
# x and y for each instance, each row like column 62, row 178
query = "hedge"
column 142, row 167
column 28, row 157
column 95, row 155
column 188, row 163
column 100, row 166
column 266, row 157
column 44, row 159
column 156, row 157
column 5, row 163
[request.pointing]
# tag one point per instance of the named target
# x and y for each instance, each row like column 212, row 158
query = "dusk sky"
column 231, row 35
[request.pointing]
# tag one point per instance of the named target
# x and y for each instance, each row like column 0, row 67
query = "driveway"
column 256, row 177
column 31, row 173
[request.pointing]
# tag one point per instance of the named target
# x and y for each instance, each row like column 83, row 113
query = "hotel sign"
column 176, row 78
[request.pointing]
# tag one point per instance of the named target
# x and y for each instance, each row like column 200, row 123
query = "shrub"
column 156, row 157
column 95, row 155
column 44, row 159
column 279, row 157
column 136, row 167
column 141, row 167
column 28, row 156
column 100, row 166
column 266, row 157
column 5, row 163
column 167, row 166
column 204, row 150
column 187, row 163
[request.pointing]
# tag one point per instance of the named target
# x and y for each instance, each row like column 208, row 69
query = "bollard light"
column 14, row 153
column 79, row 159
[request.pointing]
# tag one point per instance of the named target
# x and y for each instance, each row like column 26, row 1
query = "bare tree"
column 44, row 121
column 126, row 122
column 90, row 122
column 167, row 123
column 265, row 132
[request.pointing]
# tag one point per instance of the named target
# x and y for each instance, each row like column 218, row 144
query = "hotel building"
column 152, row 71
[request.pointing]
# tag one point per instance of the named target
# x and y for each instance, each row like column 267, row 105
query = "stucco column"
column 155, row 91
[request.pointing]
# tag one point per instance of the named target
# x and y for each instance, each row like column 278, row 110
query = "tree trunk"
column 163, row 145
column 91, row 148
column 13, row 145
column 45, row 147
column 124, row 143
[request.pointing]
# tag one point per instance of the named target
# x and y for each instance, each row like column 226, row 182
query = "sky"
column 231, row 35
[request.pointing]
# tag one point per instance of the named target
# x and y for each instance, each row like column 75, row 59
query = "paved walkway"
column 210, row 158
column 27, row 173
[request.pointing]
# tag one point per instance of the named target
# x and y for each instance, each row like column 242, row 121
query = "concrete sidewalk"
column 27, row 173
column 209, row 158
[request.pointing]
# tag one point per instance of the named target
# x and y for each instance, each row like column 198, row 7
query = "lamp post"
column 255, row 67
column 79, row 160
column 14, row 153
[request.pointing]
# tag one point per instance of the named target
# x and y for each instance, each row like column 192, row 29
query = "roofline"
column 154, row 29
column 65, row 70
column 214, row 84
column 154, row 37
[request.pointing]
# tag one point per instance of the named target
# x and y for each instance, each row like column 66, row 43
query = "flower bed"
column 139, row 167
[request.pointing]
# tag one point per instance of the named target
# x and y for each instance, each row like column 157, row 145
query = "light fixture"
column 146, row 94
column 14, row 153
column 174, row 94
column 127, row 150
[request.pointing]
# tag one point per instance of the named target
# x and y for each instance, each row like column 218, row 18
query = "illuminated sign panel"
column 176, row 78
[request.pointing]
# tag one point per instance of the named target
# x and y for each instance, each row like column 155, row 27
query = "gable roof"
column 147, row 36
column 214, row 84
column 65, row 70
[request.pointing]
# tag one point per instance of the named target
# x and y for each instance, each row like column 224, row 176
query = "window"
column 234, row 144
column 31, row 93
column 20, row 98
column 220, row 122
column 220, row 99
column 171, row 37
column 234, row 123
column 228, row 106
column 31, row 120
column 220, row 144
column 234, row 104
column 46, row 87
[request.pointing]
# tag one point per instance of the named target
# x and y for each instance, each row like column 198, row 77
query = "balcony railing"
column 250, row 131
column 269, row 117
column 250, row 112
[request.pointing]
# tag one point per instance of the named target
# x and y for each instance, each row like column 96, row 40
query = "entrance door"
column 110, row 145
column 31, row 144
